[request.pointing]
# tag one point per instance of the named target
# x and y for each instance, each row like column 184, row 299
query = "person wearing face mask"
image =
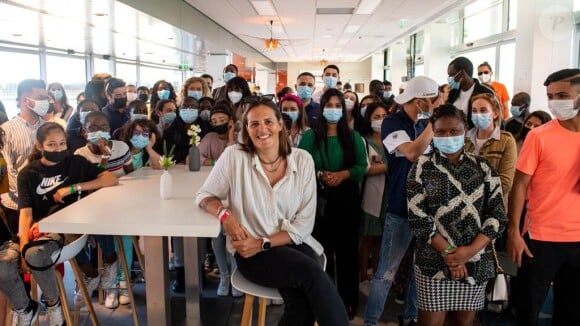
column 221, row 93
column 62, row 109
column 365, row 101
column 205, row 106
column 209, row 82
column 304, row 87
column 75, row 124
column 340, row 162
column 374, row 190
column 377, row 88
column 330, row 77
column 116, row 109
column 138, row 110
column 533, row 120
column 176, row 133
column 95, row 91
column 547, row 174
column 141, row 135
column 237, row 90
column 19, row 133
column 131, row 93
column 463, row 86
column 162, row 91
column 194, row 87
column 143, row 93
column 484, row 74
column 405, row 138
column 292, row 106
column 353, row 117
column 487, row 140
column 164, row 115
column 519, row 109
column 50, row 116
column 455, row 212
column 52, row 180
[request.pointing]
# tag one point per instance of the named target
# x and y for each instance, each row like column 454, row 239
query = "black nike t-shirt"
column 37, row 183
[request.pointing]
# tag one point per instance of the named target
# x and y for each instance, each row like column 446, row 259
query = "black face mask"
column 55, row 157
column 143, row 97
column 120, row 103
column 221, row 129
column 524, row 132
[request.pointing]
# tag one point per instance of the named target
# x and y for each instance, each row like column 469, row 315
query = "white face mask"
column 349, row 104
column 484, row 78
column 131, row 97
column 376, row 125
column 235, row 97
column 40, row 107
column 563, row 109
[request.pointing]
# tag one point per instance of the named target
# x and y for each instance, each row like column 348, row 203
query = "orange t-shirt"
column 551, row 155
column 503, row 96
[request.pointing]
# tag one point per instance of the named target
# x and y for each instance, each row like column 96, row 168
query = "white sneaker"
column 26, row 318
column 55, row 316
column 123, row 293
column 91, row 284
column 109, row 275
column 112, row 301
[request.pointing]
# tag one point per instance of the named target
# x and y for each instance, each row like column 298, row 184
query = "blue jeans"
column 107, row 243
column 397, row 237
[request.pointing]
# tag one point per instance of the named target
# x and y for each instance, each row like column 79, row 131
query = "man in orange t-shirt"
column 548, row 176
column 484, row 74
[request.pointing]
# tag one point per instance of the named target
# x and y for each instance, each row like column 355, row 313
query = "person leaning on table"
column 271, row 189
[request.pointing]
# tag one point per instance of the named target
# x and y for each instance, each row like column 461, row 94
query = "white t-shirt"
column 120, row 157
column 462, row 102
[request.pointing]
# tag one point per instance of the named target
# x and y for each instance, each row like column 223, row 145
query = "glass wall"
column 28, row 67
column 70, row 72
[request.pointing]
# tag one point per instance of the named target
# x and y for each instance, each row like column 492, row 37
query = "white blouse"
column 290, row 205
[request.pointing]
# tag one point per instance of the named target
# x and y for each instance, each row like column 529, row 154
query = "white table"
column 134, row 207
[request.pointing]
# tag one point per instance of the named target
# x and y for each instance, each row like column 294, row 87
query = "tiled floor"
column 224, row 311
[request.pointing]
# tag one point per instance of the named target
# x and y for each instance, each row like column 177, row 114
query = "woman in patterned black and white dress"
column 455, row 211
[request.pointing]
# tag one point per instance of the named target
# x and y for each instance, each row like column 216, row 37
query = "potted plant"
column 166, row 182
column 194, row 160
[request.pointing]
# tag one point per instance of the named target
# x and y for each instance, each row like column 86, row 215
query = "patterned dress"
column 458, row 202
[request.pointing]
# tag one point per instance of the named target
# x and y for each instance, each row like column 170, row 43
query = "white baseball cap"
column 418, row 87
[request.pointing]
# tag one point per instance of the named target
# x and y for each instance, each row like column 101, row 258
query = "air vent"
column 334, row 11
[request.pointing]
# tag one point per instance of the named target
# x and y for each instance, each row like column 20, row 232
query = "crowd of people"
column 317, row 191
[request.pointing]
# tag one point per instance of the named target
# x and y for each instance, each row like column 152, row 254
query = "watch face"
column 266, row 245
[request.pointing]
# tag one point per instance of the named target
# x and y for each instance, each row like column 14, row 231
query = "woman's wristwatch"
column 266, row 244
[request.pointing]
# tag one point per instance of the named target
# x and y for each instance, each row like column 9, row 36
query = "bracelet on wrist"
column 79, row 190
column 71, row 189
column 224, row 214
column 212, row 162
column 219, row 210
column 446, row 251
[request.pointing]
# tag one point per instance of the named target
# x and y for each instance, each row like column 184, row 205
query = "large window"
column 28, row 67
column 70, row 72
column 482, row 19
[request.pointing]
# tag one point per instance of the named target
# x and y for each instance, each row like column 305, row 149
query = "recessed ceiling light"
column 366, row 7
column 334, row 11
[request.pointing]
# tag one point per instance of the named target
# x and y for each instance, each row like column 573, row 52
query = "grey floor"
column 216, row 311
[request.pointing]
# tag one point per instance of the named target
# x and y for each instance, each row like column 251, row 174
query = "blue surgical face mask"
column 304, row 92
column 228, row 76
column 163, row 94
column 452, row 83
column 515, row 110
column 481, row 120
column 332, row 115
column 93, row 137
column 137, row 116
column 188, row 115
column 139, row 141
column 57, row 94
column 83, row 116
column 387, row 94
column 169, row 117
column 330, row 81
column 293, row 115
column 195, row 94
column 449, row 145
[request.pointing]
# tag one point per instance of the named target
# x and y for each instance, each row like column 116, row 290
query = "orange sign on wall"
column 282, row 79
column 243, row 71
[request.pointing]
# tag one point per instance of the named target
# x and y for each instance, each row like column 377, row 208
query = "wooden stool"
column 139, row 254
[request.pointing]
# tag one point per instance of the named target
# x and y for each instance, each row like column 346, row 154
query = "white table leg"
column 157, row 284
column 192, row 281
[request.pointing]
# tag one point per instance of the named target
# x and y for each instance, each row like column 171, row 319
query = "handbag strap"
column 498, row 268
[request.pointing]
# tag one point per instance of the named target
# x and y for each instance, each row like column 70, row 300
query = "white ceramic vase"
column 166, row 185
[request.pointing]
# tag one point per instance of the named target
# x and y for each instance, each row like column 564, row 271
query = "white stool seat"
column 72, row 249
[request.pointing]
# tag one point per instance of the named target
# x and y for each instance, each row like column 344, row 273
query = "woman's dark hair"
column 95, row 90
column 155, row 97
column 283, row 92
column 159, row 108
column 137, row 104
column 345, row 135
column 358, row 124
column 41, row 135
column 95, row 114
column 367, row 128
column 63, row 100
column 127, row 133
column 2, row 108
column 542, row 115
column 448, row 111
column 82, row 104
column 373, row 97
column 284, row 145
column 485, row 64
column 241, row 84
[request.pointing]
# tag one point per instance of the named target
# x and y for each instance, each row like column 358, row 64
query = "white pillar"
column 398, row 64
column 436, row 51
column 544, row 44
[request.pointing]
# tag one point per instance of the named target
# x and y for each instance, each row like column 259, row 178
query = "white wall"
column 350, row 72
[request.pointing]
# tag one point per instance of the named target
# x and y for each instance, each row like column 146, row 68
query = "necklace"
column 275, row 165
column 269, row 163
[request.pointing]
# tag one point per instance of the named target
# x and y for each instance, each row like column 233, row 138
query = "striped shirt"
column 19, row 137
column 120, row 156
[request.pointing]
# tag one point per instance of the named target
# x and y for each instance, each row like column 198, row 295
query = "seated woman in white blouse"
column 271, row 190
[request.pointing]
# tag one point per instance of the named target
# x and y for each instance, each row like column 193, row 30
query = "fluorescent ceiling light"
column 326, row 36
column 366, row 7
column 350, row 29
column 264, row 8
column 334, row 11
